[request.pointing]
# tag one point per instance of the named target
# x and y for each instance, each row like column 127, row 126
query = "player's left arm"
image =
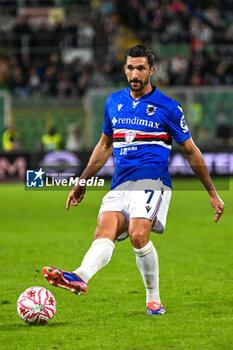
column 197, row 163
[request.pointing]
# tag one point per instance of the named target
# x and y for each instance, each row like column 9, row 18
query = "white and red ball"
column 36, row 305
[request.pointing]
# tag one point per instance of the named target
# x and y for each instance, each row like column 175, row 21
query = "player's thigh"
column 110, row 225
column 139, row 231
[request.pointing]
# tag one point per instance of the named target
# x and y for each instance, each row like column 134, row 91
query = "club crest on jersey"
column 151, row 109
column 130, row 136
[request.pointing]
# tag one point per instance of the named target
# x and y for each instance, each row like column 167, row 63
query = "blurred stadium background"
column 60, row 59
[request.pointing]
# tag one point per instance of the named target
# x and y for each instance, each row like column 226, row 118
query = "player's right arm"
column 99, row 157
column 197, row 163
column 179, row 129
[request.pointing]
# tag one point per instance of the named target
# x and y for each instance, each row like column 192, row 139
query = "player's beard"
column 142, row 83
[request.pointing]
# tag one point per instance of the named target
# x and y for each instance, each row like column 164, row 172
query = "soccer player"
column 140, row 122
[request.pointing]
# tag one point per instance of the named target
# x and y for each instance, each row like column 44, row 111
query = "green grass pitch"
column 196, row 284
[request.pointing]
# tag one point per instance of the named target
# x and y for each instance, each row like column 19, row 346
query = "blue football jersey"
column 142, row 133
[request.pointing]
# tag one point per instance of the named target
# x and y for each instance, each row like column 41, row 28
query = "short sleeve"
column 107, row 127
column 177, row 124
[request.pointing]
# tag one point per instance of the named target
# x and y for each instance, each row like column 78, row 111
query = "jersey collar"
column 154, row 88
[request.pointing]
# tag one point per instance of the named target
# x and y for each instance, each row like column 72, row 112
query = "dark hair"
column 140, row 51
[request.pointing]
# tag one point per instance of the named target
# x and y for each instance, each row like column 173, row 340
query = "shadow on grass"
column 16, row 327
column 134, row 314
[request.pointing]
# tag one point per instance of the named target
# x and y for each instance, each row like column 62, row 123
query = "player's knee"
column 138, row 238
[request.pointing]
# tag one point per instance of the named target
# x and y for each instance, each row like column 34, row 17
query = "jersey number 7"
column 150, row 196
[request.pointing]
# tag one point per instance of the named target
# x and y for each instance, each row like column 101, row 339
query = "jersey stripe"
column 161, row 138
column 116, row 131
column 139, row 143
column 139, row 136
column 156, row 208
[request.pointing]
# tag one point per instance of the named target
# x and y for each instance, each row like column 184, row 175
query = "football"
column 36, row 305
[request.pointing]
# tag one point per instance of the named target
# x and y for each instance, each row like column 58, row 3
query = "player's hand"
column 75, row 196
column 218, row 205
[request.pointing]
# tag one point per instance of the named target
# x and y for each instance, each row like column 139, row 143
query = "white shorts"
column 140, row 199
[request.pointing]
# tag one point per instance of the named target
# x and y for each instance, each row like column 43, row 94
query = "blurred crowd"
column 180, row 20
column 57, row 78
column 205, row 27
column 44, row 65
